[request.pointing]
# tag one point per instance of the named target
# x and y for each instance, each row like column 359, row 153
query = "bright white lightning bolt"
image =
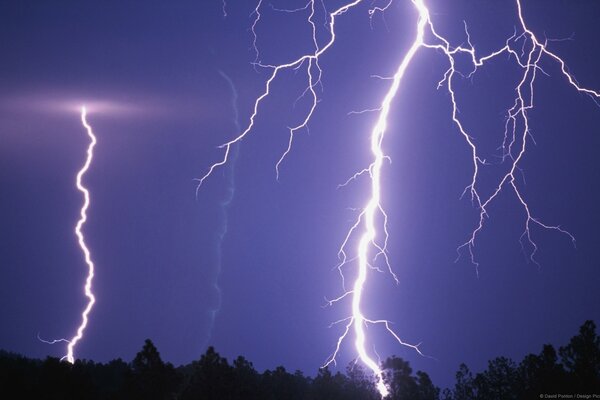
column 371, row 224
column 71, row 343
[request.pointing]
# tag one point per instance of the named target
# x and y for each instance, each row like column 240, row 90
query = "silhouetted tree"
column 151, row 378
column 499, row 381
column 19, row 375
column 111, row 380
column 581, row 358
column 211, row 378
column 541, row 374
column 280, row 384
column 425, row 388
column 328, row 386
column 246, row 379
column 464, row 388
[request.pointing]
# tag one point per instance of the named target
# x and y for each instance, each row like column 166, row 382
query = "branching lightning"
column 370, row 228
column 71, row 343
column 515, row 140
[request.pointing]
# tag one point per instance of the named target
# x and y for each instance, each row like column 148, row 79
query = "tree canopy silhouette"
column 577, row 372
column 574, row 368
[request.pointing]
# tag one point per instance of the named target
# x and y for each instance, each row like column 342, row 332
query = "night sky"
column 157, row 81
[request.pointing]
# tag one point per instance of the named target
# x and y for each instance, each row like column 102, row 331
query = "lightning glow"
column 81, row 240
column 370, row 228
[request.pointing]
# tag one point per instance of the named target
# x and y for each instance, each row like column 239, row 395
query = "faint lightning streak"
column 379, row 9
column 78, row 231
column 368, row 110
column 230, row 175
column 291, row 10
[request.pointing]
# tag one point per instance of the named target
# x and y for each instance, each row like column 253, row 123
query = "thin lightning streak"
column 54, row 341
column 311, row 86
column 371, row 224
column 81, row 240
column 257, row 16
column 230, row 176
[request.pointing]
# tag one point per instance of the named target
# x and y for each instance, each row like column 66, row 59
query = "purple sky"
column 160, row 107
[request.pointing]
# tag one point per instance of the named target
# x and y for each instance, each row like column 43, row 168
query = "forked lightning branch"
column 366, row 240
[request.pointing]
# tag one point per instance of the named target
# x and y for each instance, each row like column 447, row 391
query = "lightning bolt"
column 81, row 239
column 224, row 8
column 370, row 227
column 71, row 343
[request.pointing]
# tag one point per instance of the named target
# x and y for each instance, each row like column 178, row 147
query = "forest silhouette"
column 572, row 370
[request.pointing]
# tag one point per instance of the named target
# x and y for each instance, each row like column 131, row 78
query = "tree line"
column 574, row 368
